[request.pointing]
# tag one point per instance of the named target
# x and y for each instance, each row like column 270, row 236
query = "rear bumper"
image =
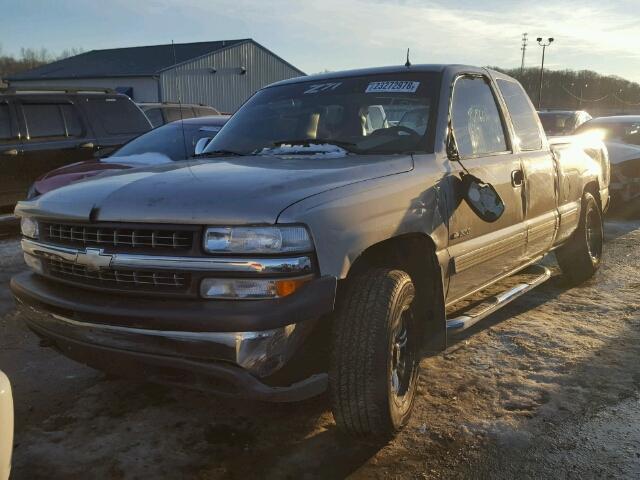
column 183, row 339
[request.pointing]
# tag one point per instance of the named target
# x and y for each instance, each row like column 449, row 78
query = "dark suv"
column 43, row 130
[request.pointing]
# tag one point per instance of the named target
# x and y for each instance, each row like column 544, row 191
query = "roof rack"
column 11, row 89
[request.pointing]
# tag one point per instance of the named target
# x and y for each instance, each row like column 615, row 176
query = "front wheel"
column 581, row 256
column 375, row 357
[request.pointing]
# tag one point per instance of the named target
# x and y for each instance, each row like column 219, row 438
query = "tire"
column 581, row 256
column 374, row 367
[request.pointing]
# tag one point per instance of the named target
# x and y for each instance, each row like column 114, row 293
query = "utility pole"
column 544, row 46
column 525, row 41
column 582, row 85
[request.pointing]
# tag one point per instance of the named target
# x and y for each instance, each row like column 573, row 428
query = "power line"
column 625, row 102
column 582, row 99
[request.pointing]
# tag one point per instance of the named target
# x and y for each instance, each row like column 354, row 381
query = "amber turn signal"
column 287, row 287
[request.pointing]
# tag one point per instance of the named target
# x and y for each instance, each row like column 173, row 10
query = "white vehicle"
column 6, row 426
column 621, row 135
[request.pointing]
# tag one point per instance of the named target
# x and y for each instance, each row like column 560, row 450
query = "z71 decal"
column 322, row 87
column 393, row 86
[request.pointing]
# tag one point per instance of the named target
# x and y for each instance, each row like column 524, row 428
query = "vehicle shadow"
column 543, row 294
column 584, row 425
column 615, row 227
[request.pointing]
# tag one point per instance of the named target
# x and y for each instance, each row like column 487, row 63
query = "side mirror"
column 201, row 145
column 482, row 197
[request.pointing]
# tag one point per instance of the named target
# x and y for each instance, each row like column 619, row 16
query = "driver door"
column 483, row 252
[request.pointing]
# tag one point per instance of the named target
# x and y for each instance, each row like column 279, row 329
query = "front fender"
column 344, row 222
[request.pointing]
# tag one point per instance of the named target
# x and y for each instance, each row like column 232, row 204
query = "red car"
column 168, row 143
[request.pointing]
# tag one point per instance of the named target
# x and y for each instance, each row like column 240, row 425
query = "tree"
column 31, row 58
column 579, row 90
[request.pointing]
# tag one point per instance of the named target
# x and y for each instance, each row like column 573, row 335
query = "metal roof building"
column 222, row 74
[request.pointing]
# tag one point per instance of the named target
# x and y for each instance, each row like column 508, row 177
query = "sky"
column 318, row 35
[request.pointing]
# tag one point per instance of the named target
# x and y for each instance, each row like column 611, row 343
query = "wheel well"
column 406, row 252
column 416, row 255
column 594, row 189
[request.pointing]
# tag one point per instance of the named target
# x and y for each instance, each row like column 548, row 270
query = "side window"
column 155, row 116
column 475, row 118
column 71, row 120
column 5, row 122
column 522, row 114
column 173, row 113
column 44, row 120
column 204, row 111
column 117, row 116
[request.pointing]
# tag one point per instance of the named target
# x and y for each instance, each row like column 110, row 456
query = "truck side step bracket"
column 527, row 280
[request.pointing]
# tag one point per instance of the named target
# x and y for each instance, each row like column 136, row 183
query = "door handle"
column 517, row 178
column 13, row 152
column 88, row 145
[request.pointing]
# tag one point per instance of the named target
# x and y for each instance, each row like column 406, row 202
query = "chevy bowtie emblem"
column 94, row 259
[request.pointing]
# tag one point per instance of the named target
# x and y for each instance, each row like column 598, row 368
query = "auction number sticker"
column 393, row 86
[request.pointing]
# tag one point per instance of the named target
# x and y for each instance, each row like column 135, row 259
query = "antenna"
column 184, row 138
column 408, row 62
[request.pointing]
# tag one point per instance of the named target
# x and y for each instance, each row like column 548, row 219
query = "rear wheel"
column 375, row 355
column 581, row 256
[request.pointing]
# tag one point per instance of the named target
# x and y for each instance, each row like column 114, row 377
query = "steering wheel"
column 397, row 129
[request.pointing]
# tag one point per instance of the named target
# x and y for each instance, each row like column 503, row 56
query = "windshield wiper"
column 218, row 153
column 316, row 141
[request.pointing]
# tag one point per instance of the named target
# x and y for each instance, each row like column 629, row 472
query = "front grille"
column 117, row 237
column 142, row 280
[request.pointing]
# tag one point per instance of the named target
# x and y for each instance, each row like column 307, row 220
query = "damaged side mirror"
column 482, row 198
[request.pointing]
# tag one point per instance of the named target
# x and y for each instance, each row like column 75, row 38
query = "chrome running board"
column 495, row 302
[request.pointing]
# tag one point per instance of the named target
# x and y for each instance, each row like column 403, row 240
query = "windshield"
column 167, row 140
column 368, row 114
column 625, row 132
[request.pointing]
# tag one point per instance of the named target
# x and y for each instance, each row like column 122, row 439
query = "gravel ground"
column 548, row 387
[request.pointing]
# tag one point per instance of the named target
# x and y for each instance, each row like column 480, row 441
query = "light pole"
column 620, row 92
column 544, row 46
column 525, row 41
column 582, row 94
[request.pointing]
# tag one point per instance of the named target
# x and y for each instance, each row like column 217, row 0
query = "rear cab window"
column 117, row 116
column 523, row 116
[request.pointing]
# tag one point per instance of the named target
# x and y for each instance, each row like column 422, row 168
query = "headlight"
column 29, row 227
column 249, row 288
column 262, row 240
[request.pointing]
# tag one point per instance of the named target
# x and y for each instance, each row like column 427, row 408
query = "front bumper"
column 233, row 344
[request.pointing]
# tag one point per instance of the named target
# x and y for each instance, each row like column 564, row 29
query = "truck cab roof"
column 426, row 68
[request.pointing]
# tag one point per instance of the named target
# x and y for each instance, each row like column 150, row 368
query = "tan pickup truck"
column 335, row 229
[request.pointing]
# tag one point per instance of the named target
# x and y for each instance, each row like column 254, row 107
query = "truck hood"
column 90, row 168
column 237, row 190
